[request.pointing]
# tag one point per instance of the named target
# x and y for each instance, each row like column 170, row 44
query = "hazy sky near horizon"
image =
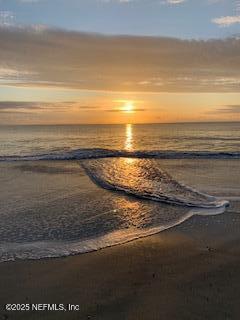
column 119, row 61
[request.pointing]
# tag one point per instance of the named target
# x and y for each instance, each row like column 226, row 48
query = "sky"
column 119, row 61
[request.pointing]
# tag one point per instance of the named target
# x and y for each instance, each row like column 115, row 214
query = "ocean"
column 73, row 189
column 182, row 137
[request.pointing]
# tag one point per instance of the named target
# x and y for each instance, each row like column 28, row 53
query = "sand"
column 188, row 272
column 172, row 275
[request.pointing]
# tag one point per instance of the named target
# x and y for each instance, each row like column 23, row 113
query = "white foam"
column 79, row 154
column 50, row 249
column 144, row 179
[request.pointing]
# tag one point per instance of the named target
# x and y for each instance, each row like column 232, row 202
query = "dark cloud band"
column 118, row 63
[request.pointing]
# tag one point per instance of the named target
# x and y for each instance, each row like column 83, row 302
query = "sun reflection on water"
column 129, row 138
column 133, row 213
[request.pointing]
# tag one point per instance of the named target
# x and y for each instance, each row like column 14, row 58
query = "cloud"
column 6, row 18
column 229, row 109
column 29, row 57
column 12, row 105
column 121, row 110
column 21, row 106
column 226, row 21
column 237, row 6
column 175, row 1
column 13, row 74
column 172, row 2
column 61, row 106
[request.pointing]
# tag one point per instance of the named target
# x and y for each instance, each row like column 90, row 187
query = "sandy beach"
column 119, row 160
column 176, row 274
column 190, row 271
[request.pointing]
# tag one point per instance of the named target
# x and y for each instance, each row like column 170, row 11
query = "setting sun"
column 128, row 107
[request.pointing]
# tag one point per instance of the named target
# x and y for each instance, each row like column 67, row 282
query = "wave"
column 144, row 178
column 96, row 153
column 134, row 173
column 57, row 249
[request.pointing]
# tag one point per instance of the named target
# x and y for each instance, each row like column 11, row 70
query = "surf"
column 143, row 178
column 98, row 153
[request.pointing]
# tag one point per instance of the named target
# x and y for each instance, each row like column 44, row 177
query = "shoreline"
column 190, row 271
column 98, row 243
column 179, row 273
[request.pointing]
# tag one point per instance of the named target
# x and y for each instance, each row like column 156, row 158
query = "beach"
column 176, row 274
column 190, row 271
column 119, row 160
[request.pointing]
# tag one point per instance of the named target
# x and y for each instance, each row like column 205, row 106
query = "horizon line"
column 107, row 124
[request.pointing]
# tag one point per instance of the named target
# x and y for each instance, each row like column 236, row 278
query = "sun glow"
column 128, row 107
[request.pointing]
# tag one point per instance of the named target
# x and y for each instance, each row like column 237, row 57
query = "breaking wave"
column 95, row 153
column 144, row 178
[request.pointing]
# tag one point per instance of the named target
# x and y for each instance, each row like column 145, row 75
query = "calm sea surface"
column 31, row 140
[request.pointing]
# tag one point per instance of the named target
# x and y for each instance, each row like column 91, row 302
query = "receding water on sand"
column 145, row 179
column 58, row 211
column 54, row 249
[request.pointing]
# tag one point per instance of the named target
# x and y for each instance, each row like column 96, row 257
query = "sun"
column 128, row 107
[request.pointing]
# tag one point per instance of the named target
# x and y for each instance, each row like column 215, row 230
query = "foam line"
column 105, row 153
column 50, row 249
column 144, row 179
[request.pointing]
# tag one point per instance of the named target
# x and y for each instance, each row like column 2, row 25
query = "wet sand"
column 178, row 274
column 188, row 272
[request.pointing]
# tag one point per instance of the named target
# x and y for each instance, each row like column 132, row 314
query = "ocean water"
column 183, row 137
column 113, row 183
